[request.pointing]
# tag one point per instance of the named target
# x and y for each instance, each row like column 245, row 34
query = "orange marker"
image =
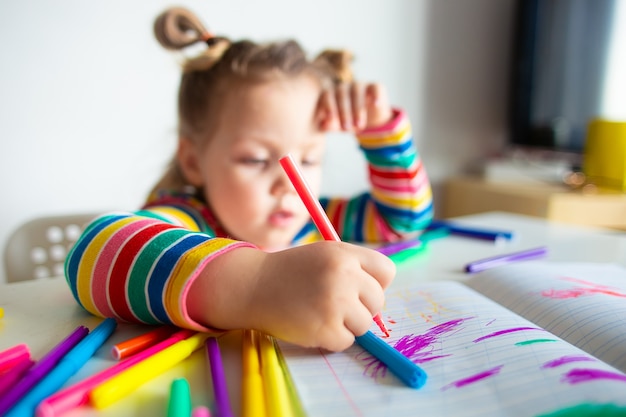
column 137, row 344
column 317, row 212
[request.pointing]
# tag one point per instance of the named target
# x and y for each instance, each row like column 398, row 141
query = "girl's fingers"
column 336, row 339
column 371, row 296
column 377, row 265
column 354, row 106
column 358, row 321
column 357, row 94
column 328, row 111
column 379, row 110
column 344, row 108
column 372, row 96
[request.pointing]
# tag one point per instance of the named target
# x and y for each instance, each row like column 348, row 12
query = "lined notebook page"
column 481, row 360
column 583, row 303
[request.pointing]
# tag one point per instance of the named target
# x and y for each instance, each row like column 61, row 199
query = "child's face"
column 239, row 167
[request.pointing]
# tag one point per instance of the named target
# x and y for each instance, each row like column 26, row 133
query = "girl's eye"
column 259, row 162
column 310, row 162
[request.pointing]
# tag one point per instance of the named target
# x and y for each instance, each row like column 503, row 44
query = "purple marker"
column 41, row 369
column 499, row 260
column 394, row 248
column 220, row 387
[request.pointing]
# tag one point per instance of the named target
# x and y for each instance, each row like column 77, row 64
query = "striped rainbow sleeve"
column 139, row 268
column 400, row 200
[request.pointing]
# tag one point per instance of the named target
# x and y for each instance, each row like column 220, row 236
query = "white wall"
column 87, row 96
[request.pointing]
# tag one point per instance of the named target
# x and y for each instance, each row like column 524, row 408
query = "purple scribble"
column 489, row 322
column 474, row 378
column 576, row 376
column 418, row 348
column 506, row 331
column 565, row 360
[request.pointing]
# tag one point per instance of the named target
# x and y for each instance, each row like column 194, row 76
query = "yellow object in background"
column 1, row 312
column 604, row 160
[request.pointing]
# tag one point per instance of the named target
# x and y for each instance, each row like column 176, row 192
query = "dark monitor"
column 561, row 61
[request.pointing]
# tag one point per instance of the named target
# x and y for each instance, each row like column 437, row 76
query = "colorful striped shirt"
column 138, row 266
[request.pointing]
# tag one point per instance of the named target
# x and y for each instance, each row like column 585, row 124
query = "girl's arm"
column 400, row 202
column 139, row 268
column 401, row 192
column 316, row 295
column 144, row 269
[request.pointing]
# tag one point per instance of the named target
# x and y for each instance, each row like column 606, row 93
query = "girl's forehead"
column 275, row 101
column 277, row 82
column 272, row 112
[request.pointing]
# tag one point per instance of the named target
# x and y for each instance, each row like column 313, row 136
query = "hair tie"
column 177, row 28
column 210, row 39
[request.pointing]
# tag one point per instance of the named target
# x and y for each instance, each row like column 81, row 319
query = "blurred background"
column 88, row 97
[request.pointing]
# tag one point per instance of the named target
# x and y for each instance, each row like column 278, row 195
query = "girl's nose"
column 281, row 184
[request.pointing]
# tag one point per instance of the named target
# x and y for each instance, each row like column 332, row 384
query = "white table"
column 41, row 313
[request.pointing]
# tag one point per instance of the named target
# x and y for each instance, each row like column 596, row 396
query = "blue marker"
column 67, row 366
column 486, row 234
column 401, row 366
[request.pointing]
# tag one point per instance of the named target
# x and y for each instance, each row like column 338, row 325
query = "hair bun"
column 338, row 62
column 177, row 27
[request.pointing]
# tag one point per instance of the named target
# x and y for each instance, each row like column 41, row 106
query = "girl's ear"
column 187, row 156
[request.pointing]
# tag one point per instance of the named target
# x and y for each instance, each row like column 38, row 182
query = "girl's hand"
column 317, row 295
column 354, row 107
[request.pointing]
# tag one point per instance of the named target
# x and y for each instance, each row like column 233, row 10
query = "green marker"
column 404, row 255
column 179, row 404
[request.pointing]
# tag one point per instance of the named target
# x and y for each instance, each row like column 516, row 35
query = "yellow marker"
column 252, row 398
column 277, row 399
column 127, row 381
column 1, row 312
column 296, row 404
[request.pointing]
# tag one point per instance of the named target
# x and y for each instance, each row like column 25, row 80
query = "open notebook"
column 531, row 339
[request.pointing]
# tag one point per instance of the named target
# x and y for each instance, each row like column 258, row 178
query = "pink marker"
column 317, row 212
column 78, row 394
column 13, row 375
column 13, row 356
column 201, row 411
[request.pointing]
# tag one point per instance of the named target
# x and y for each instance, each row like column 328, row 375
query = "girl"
column 220, row 241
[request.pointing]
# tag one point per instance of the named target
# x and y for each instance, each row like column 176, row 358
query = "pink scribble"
column 589, row 288
column 506, row 331
column 418, row 348
column 474, row 378
column 565, row 360
column 576, row 376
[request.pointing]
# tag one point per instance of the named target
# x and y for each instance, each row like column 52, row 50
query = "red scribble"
column 506, row 331
column 474, row 378
column 589, row 288
column 565, row 360
column 391, row 321
column 345, row 392
column 576, row 376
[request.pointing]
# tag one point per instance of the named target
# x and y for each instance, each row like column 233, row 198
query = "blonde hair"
column 205, row 78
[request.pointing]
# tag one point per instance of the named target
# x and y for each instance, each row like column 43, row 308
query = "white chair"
column 37, row 249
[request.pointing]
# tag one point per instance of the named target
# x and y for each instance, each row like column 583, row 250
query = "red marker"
column 317, row 212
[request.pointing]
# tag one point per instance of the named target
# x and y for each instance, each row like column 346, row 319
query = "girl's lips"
column 281, row 218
